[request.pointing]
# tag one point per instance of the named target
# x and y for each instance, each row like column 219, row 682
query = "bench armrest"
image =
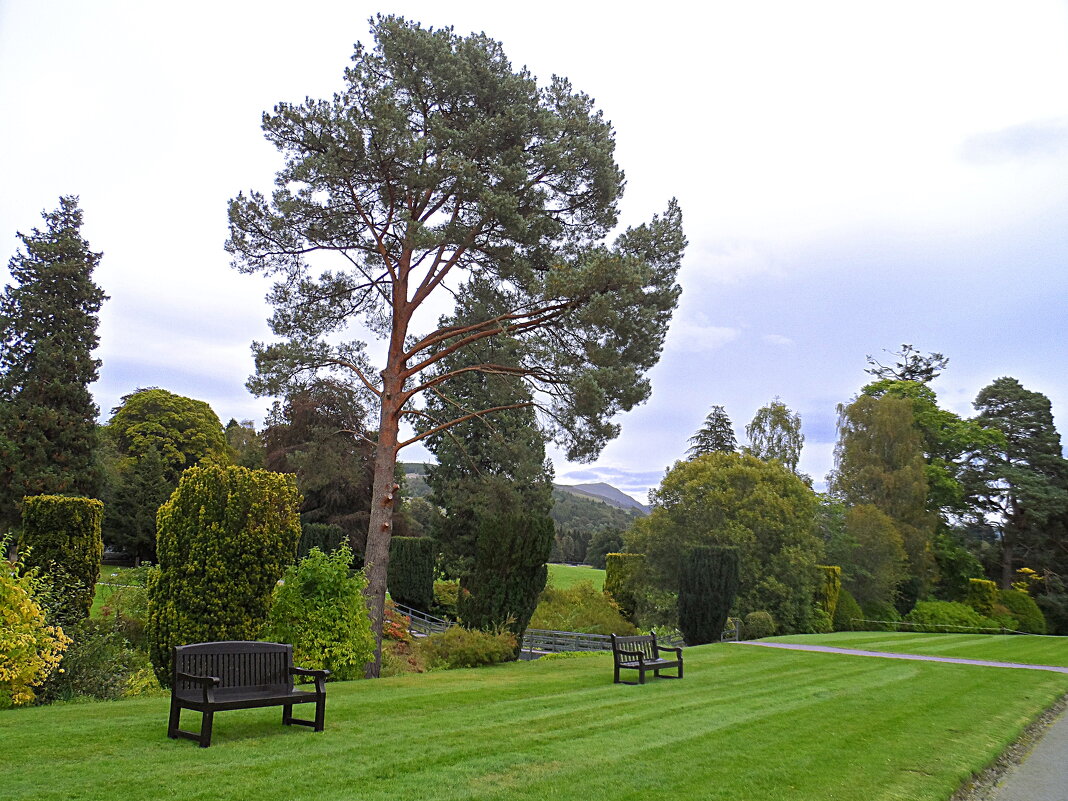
column 319, row 676
column 207, row 683
column 669, row 648
column 635, row 654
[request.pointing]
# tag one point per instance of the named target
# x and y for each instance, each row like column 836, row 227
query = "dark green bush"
column 982, row 596
column 461, row 648
column 829, row 589
column 622, row 578
column 758, row 625
column 880, row 617
column 948, row 616
column 580, row 607
column 61, row 538
column 411, row 571
column 325, row 536
column 847, row 614
column 224, row 539
column 509, row 573
column 1022, row 606
column 820, row 622
column 708, row 582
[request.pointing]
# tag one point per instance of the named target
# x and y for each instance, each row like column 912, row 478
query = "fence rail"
column 422, row 622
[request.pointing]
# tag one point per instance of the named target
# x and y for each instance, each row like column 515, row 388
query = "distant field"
column 563, row 576
column 1028, row 649
column 746, row 724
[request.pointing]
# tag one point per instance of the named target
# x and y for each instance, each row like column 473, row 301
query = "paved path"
column 912, row 657
column 1043, row 773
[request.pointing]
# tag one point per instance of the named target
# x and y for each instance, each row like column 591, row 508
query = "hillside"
column 605, row 493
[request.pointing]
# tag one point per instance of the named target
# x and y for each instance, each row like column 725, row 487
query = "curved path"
column 912, row 657
column 1043, row 773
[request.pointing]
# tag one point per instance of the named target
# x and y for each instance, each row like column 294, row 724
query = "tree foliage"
column 319, row 433
column 1022, row 486
column 225, row 538
column 716, row 435
column 436, row 163
column 775, row 433
column 912, row 365
column 763, row 509
column 48, row 323
column 411, row 571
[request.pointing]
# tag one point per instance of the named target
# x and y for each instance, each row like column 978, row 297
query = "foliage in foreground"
column 319, row 609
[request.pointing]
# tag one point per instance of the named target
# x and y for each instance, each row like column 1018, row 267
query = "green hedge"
column 411, row 571
column 1029, row 617
column 325, row 536
column 949, row 617
column 61, row 537
column 708, row 582
column 982, row 596
column 224, row 539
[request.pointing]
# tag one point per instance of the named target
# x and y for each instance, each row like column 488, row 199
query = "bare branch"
column 456, row 421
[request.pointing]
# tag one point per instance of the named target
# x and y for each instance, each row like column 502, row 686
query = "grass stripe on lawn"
column 745, row 724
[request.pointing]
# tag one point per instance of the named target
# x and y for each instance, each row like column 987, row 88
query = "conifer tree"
column 48, row 330
column 715, row 436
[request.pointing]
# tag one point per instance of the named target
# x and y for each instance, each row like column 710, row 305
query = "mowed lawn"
column 564, row 576
column 746, row 724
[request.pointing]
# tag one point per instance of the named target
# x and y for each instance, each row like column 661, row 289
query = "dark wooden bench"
column 642, row 653
column 210, row 677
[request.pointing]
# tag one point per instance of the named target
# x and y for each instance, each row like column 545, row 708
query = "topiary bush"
column 462, row 648
column 708, row 582
column 829, row 589
column 411, row 571
column 224, row 538
column 948, row 616
column 319, row 608
column 982, row 596
column 1023, row 608
column 757, row 625
column 622, row 578
column 580, row 607
column 30, row 649
column 847, row 614
column 61, row 539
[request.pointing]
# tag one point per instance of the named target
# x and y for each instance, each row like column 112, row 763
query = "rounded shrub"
column 580, row 607
column 1022, row 606
column 224, row 538
column 320, row 610
column 880, row 617
column 982, row 596
column 948, row 616
column 757, row 625
column 459, row 647
column 847, row 613
column 61, row 539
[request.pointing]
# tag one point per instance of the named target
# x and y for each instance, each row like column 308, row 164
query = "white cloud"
column 777, row 339
column 697, row 336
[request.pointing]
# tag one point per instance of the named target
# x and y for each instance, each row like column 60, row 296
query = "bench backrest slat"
column 237, row 663
column 645, row 643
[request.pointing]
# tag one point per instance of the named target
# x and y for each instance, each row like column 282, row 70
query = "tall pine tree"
column 715, row 436
column 48, row 322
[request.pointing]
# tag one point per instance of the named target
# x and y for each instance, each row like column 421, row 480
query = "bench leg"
column 174, row 721
column 320, row 713
column 205, row 728
column 287, row 714
column 616, row 679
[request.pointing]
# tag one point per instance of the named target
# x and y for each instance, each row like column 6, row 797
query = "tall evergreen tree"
column 775, row 433
column 715, row 436
column 912, row 365
column 1023, row 487
column 48, row 330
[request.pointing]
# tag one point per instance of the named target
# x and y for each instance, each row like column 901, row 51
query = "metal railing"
column 422, row 622
column 556, row 641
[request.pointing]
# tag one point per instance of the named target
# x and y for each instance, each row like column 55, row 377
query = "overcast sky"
column 852, row 175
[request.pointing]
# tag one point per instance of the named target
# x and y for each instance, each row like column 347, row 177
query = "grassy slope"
column 1029, row 650
column 563, row 576
column 746, row 724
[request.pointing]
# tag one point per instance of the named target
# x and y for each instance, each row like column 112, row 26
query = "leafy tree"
column 912, row 365
column 871, row 554
column 762, row 508
column 320, row 433
column 437, row 163
column 1023, row 486
column 140, row 486
column 715, row 436
column 183, row 431
column 48, row 322
column 775, row 433
column 245, row 443
column 879, row 461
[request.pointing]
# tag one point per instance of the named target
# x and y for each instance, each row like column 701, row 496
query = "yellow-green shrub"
column 982, row 596
column 580, row 607
column 224, row 538
column 460, row 648
column 30, row 649
column 829, row 589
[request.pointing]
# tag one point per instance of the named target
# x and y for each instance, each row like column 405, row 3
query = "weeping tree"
column 775, row 433
column 436, row 163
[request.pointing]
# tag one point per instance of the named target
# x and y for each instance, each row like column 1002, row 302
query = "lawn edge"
column 982, row 786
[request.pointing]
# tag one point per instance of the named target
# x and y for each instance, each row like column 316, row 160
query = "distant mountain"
column 605, row 493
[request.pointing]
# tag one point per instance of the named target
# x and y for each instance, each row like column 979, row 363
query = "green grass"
column 1029, row 650
column 746, row 724
column 564, row 576
column 109, row 575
